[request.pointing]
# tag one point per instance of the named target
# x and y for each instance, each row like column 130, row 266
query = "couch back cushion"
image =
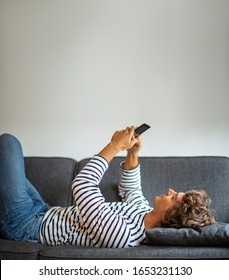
column 52, row 177
column 179, row 173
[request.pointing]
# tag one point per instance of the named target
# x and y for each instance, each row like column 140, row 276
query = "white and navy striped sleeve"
column 130, row 188
column 104, row 227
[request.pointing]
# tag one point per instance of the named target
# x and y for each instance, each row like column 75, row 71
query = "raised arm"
column 104, row 226
column 130, row 188
column 131, row 160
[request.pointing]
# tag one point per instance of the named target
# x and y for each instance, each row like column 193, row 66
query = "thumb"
column 134, row 141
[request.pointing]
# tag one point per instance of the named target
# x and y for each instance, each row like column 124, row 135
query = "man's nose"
column 170, row 192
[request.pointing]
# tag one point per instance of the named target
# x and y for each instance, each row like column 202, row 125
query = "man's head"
column 190, row 209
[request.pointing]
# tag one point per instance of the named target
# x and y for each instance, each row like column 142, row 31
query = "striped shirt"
column 94, row 222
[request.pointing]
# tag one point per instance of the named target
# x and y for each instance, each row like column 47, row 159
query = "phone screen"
column 142, row 128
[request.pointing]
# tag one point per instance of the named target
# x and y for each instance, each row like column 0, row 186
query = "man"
column 92, row 221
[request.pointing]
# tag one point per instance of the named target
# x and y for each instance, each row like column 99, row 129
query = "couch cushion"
column 18, row 250
column 143, row 252
column 212, row 235
column 52, row 176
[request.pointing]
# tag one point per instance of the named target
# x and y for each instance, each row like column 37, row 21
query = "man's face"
column 167, row 200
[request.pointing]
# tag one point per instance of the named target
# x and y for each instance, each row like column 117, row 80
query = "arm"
column 131, row 160
column 105, row 227
column 130, row 188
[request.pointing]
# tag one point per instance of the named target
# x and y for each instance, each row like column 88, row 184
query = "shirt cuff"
column 128, row 170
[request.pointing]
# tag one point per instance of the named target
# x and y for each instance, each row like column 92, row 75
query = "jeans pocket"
column 31, row 231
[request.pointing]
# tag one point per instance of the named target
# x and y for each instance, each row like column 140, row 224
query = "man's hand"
column 137, row 147
column 124, row 139
column 120, row 141
column 131, row 160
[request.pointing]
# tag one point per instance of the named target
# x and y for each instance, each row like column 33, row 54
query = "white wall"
column 74, row 71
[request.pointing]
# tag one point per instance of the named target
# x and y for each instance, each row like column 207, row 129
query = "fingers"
column 130, row 129
column 125, row 139
column 130, row 132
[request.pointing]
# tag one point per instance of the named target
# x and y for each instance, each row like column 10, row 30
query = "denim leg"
column 21, row 205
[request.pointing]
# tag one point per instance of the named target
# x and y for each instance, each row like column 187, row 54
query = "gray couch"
column 53, row 177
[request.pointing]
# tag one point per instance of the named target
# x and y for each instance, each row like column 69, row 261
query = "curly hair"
column 193, row 212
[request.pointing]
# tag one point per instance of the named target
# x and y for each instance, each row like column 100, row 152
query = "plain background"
column 74, row 71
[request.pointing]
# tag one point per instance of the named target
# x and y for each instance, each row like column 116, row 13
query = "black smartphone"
column 142, row 128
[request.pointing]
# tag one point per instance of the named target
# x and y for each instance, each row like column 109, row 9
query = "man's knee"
column 7, row 138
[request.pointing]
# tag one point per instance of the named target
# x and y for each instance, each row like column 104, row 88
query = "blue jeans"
column 21, row 206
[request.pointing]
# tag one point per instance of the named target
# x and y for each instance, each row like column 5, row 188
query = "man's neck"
column 151, row 220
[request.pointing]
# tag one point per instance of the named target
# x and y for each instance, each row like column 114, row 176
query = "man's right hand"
column 120, row 141
column 124, row 139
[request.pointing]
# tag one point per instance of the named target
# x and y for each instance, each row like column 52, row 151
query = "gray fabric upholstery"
column 14, row 250
column 140, row 253
column 212, row 235
column 53, row 177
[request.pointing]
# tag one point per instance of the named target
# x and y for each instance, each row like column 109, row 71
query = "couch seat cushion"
column 17, row 250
